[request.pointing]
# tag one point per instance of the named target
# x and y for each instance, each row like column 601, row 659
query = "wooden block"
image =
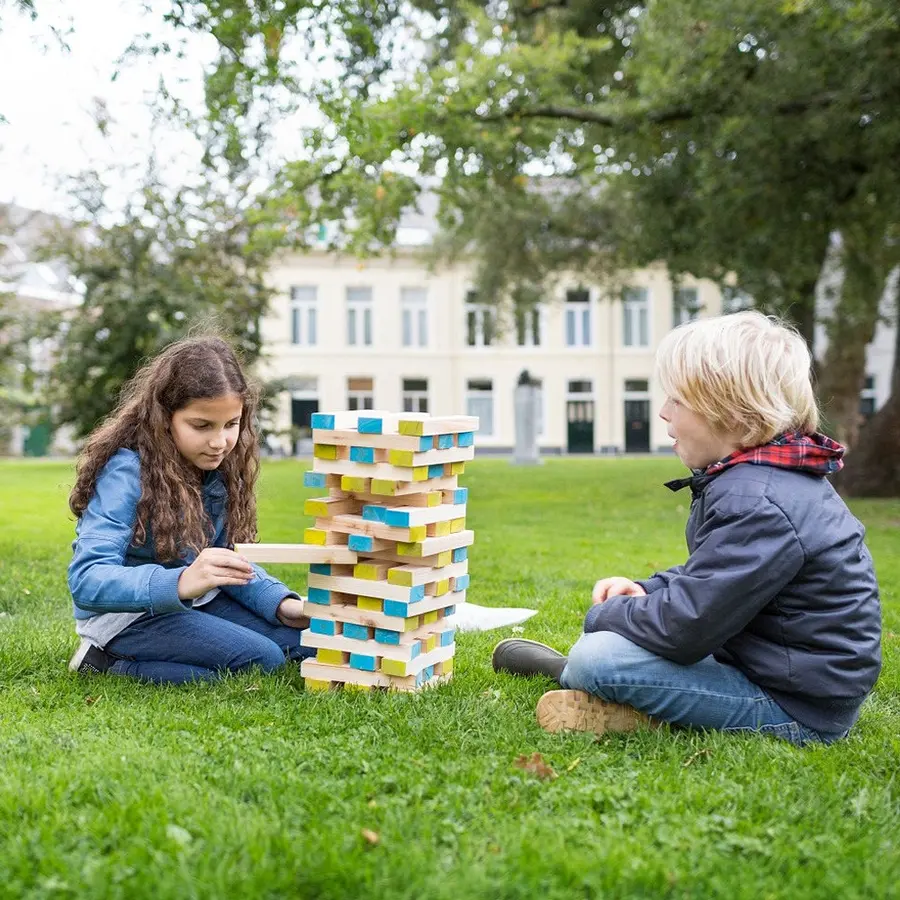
column 439, row 588
column 406, row 517
column 324, row 538
column 410, row 575
column 429, row 608
column 330, row 569
column 443, row 441
column 457, row 497
column 409, row 660
column 354, row 483
column 435, row 545
column 355, row 679
column 437, row 424
column 345, row 524
column 430, row 457
column 368, row 455
column 330, row 506
column 316, row 684
column 457, row 525
column 354, row 632
column 366, row 544
column 329, row 451
column 344, row 419
column 397, row 488
column 438, row 529
column 321, row 480
column 373, row 649
column 425, row 500
column 296, row 553
column 370, row 604
column 332, row 657
column 381, row 471
column 456, row 468
column 361, row 586
column 436, row 560
column 372, row 570
column 352, row 438
column 372, row 422
column 460, row 582
column 465, row 439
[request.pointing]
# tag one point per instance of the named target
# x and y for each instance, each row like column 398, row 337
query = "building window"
column 360, row 393
column 480, row 402
column 636, row 317
column 414, row 317
column 415, row 395
column 359, row 317
column 303, row 316
column 528, row 325
column 867, row 398
column 685, row 306
column 581, row 387
column 480, row 322
column 734, row 300
column 637, row 386
column 578, row 318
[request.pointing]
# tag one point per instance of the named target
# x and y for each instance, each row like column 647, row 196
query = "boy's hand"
column 616, row 587
column 213, row 567
column 290, row 613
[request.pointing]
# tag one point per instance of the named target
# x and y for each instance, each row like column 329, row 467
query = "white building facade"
column 387, row 333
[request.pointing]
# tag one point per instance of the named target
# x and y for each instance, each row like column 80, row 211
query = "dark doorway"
column 301, row 423
column 580, row 426
column 637, row 426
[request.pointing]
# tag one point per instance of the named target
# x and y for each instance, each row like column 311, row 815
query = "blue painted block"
column 320, row 568
column 415, row 650
column 447, row 637
column 385, row 636
column 369, row 425
column 465, row 439
column 373, row 513
column 416, row 592
column 362, row 454
column 444, row 441
column 460, row 554
column 449, row 610
column 396, row 608
column 314, row 479
column 462, row 582
column 359, row 661
column 426, row 442
column 436, row 471
column 322, row 626
column 460, row 496
column 361, row 542
column 428, row 672
column 420, row 679
column 398, row 518
column 356, row 632
column 318, row 595
column 322, row 420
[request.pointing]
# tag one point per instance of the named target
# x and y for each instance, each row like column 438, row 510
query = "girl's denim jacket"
column 108, row 573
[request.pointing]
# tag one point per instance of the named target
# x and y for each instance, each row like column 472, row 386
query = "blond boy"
column 773, row 624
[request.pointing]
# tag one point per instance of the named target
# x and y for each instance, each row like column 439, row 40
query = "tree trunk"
column 873, row 468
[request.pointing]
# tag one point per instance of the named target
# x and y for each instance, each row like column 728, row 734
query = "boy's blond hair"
column 746, row 374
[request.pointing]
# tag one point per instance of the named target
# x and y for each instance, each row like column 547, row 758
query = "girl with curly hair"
column 164, row 489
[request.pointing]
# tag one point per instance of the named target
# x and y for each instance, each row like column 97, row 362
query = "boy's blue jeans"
column 708, row 694
column 200, row 644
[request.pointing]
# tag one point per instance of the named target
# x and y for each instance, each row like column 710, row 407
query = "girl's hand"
column 213, row 567
column 616, row 587
column 290, row 613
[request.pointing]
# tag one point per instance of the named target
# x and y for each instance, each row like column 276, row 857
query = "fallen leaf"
column 371, row 836
column 536, row 765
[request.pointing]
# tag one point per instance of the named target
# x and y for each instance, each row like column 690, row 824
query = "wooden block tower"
column 388, row 552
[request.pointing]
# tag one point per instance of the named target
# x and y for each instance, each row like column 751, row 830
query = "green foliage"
column 254, row 788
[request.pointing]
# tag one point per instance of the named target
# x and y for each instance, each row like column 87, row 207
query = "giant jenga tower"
column 388, row 552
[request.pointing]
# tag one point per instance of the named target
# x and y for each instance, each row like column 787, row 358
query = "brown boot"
column 580, row 711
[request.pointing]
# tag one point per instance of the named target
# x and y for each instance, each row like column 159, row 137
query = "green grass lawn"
column 252, row 787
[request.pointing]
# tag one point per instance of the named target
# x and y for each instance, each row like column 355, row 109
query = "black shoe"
column 89, row 660
column 518, row 656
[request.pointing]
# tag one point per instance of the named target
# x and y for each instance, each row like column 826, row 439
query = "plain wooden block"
column 394, row 487
column 296, row 553
column 436, row 424
column 350, row 438
column 346, row 524
column 362, row 586
column 430, row 457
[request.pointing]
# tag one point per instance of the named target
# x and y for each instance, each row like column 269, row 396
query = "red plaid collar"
column 813, row 453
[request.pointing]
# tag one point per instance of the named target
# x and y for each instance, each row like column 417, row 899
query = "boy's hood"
column 814, row 454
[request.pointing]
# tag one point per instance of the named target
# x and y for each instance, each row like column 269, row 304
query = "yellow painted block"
column 457, row 525
column 411, row 427
column 398, row 576
column 420, row 473
column 409, row 549
column 447, row 666
column 330, row 657
column 430, row 618
column 444, row 558
column 383, row 487
column 372, row 604
column 394, row 667
column 359, row 688
column 435, row 498
column 401, row 457
column 410, row 624
column 457, row 468
column 441, row 587
column 440, row 529
column 316, row 684
column 418, row 532
column 430, row 643
column 369, row 571
column 325, row 451
column 354, row 483
column 314, row 507
column 315, row 536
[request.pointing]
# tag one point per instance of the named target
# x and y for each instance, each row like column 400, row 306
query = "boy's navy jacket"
column 109, row 574
column 778, row 584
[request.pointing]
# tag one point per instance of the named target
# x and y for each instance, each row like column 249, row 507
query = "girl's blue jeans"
column 200, row 644
column 708, row 694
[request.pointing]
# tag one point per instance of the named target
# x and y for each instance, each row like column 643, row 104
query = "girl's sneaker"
column 89, row 660
column 580, row 711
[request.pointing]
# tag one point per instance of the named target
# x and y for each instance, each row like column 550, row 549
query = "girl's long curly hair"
column 170, row 509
